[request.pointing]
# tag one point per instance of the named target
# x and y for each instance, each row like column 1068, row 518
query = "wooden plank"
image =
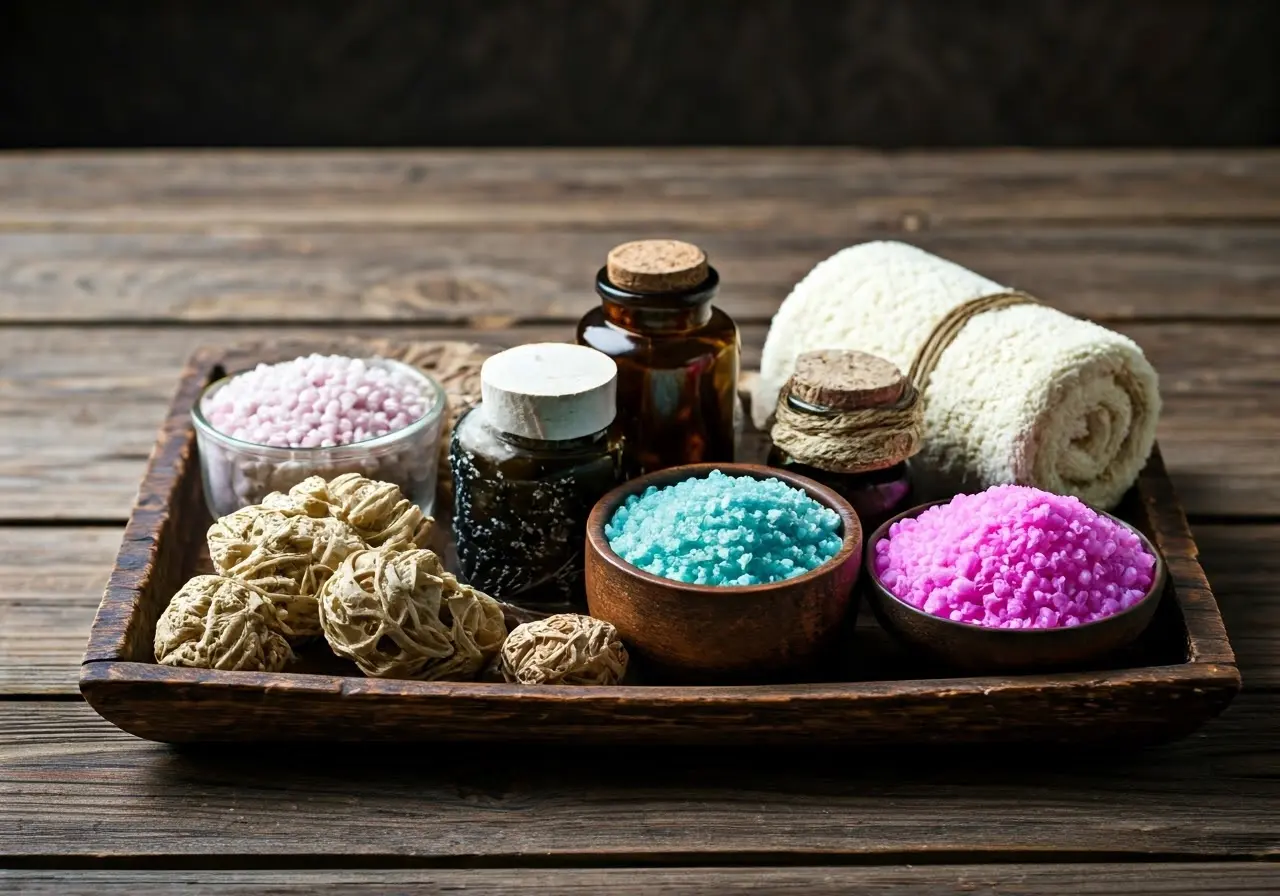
column 1091, row 879
column 1106, row 273
column 51, row 581
column 828, row 191
column 1242, row 564
column 73, row 787
column 83, row 406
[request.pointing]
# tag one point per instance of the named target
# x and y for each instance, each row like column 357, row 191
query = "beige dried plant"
column 378, row 511
column 289, row 557
column 398, row 614
column 564, row 649
column 218, row 623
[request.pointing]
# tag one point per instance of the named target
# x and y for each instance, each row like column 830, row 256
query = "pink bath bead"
column 1015, row 557
column 317, row 401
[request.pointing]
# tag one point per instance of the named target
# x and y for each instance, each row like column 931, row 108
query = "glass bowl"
column 237, row 473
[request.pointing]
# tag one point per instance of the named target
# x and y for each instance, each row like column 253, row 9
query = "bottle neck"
column 815, row 410
column 668, row 312
column 544, row 445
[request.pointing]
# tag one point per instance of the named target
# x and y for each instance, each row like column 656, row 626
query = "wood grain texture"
column 165, row 241
column 1243, row 565
column 829, row 191
column 50, row 586
column 1093, row 879
column 74, row 787
column 85, row 404
column 1105, row 273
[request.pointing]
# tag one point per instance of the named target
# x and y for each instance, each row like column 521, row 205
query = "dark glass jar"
column 876, row 495
column 521, row 502
column 677, row 356
column 850, row 421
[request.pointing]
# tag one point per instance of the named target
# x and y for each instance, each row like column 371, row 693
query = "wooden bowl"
column 978, row 649
column 693, row 633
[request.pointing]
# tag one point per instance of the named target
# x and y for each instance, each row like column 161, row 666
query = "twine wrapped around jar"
column 378, row 511
column 287, row 557
column 398, row 614
column 219, row 623
column 564, row 649
column 848, row 412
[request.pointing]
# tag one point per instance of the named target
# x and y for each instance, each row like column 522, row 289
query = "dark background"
column 886, row 73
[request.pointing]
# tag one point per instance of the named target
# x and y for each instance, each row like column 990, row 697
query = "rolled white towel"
column 1023, row 394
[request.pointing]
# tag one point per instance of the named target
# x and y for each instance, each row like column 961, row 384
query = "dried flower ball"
column 219, row 623
column 378, row 511
column 398, row 614
column 564, row 649
column 287, row 557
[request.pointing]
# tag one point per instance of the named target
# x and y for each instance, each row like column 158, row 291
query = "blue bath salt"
column 724, row 530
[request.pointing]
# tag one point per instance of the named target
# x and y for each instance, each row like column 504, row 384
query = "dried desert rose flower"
column 398, row 614
column 564, row 649
column 218, row 623
column 289, row 558
column 378, row 511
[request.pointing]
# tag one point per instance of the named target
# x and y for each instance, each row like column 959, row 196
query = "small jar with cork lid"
column 529, row 462
column 851, row 421
column 677, row 354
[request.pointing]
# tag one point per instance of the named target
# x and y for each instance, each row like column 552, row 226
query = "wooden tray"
column 1181, row 674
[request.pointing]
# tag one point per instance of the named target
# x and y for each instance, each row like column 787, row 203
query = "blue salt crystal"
column 725, row 530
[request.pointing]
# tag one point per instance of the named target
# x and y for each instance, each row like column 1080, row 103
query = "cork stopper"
column 846, row 380
column 549, row 391
column 656, row 266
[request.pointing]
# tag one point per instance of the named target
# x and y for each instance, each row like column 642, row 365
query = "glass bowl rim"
column 440, row 401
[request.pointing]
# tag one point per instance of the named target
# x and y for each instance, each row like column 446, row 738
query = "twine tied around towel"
column 946, row 330
column 868, row 433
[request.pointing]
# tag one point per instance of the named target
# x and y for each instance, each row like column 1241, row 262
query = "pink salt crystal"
column 1010, row 557
column 317, row 401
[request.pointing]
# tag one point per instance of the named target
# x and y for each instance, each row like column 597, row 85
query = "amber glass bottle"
column 529, row 462
column 677, row 354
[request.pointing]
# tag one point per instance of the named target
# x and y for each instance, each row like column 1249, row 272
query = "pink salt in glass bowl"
column 237, row 473
column 982, row 648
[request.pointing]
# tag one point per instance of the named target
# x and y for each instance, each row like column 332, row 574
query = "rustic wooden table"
column 114, row 267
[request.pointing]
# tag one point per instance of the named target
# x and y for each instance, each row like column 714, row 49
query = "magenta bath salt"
column 1015, row 557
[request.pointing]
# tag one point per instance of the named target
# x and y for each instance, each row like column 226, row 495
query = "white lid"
column 549, row 390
